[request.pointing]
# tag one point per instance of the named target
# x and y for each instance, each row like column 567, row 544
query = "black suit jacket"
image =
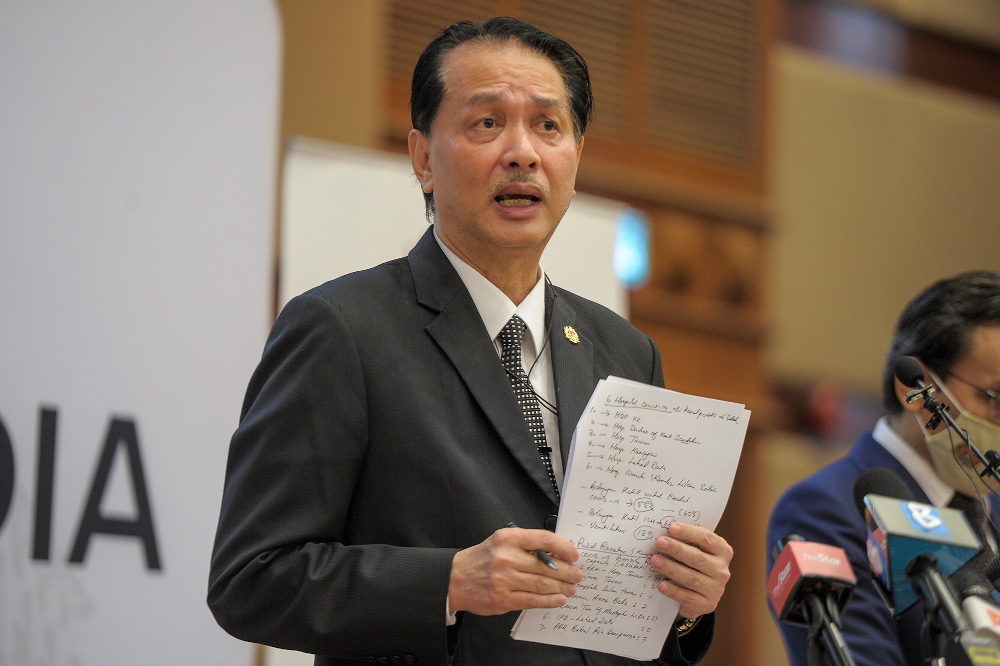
column 379, row 436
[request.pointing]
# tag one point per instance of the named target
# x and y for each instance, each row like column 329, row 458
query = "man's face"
column 979, row 368
column 501, row 157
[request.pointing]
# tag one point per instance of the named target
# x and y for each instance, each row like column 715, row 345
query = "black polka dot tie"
column 510, row 357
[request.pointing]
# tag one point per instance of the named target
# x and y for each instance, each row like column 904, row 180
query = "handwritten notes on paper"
column 641, row 458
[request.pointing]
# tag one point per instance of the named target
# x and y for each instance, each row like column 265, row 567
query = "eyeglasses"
column 993, row 411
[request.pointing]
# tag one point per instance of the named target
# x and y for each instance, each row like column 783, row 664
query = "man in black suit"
column 386, row 442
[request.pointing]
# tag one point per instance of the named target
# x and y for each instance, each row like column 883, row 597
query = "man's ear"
column 420, row 158
column 902, row 390
column 579, row 154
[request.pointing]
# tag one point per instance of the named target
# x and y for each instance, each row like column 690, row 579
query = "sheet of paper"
column 641, row 458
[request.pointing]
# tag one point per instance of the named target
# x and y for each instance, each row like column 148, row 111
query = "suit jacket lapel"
column 458, row 329
column 572, row 370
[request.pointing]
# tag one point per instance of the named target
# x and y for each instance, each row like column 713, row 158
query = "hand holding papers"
column 641, row 459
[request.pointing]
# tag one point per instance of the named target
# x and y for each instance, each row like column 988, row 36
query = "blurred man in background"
column 953, row 329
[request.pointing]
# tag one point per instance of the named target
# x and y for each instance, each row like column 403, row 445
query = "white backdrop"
column 137, row 161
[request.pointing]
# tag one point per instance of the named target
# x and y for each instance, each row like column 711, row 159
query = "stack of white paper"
column 641, row 458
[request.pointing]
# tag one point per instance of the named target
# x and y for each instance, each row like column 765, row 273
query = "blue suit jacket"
column 821, row 508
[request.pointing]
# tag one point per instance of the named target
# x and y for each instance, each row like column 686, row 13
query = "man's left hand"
column 695, row 562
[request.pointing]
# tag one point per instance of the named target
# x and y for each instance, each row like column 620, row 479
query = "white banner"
column 137, row 159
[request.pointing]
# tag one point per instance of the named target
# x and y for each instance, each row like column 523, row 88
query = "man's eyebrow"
column 539, row 100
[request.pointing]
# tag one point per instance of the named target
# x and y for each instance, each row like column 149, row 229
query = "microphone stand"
column 943, row 624
column 826, row 643
column 939, row 412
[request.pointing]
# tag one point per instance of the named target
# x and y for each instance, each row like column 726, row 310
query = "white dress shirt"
column 937, row 491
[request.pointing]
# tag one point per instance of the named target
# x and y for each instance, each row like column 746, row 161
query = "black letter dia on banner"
column 123, row 432
column 6, row 473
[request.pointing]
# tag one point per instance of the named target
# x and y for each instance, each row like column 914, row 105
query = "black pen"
column 541, row 554
column 545, row 557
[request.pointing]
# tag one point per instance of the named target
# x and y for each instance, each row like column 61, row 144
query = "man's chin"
column 522, row 235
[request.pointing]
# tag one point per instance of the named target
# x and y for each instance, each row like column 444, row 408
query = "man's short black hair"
column 427, row 88
column 938, row 324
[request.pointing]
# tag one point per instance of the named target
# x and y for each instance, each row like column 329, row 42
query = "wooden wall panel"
column 678, row 84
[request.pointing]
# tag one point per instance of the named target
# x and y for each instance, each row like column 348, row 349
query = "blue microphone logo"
column 925, row 518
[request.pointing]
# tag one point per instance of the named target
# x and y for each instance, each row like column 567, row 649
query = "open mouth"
column 516, row 199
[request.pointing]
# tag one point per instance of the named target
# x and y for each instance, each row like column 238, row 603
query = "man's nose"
column 520, row 153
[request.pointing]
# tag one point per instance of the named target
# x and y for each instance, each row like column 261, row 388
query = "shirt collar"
column 494, row 306
column 937, row 491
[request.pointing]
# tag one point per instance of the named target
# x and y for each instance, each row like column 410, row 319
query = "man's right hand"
column 502, row 573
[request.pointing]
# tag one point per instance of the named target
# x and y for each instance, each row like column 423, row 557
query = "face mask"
column 984, row 435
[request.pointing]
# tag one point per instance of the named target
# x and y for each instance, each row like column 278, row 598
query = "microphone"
column 880, row 481
column 901, row 532
column 910, row 374
column 976, row 596
column 810, row 584
column 968, row 583
column 992, row 571
column 910, row 544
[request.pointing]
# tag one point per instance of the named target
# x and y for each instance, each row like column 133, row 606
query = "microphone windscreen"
column 780, row 544
column 908, row 371
column 992, row 569
column 967, row 583
column 879, row 481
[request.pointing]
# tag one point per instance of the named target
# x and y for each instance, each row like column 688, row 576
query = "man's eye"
column 548, row 126
column 489, row 123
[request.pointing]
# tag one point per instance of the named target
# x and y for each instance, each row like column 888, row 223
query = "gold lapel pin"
column 571, row 334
